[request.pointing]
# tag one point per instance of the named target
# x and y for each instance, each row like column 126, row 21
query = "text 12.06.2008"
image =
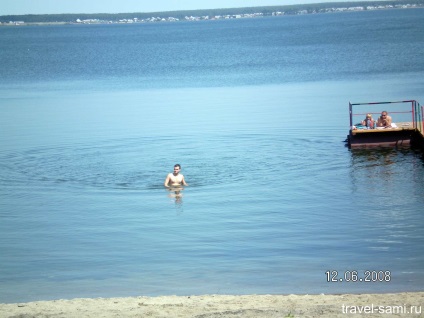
column 354, row 276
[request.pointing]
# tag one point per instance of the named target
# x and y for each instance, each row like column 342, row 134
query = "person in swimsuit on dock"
column 384, row 120
column 369, row 122
column 175, row 179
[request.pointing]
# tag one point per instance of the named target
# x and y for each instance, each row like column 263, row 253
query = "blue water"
column 93, row 117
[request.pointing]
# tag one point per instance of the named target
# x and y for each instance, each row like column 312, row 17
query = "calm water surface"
column 92, row 118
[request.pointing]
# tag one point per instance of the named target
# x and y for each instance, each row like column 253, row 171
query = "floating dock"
column 406, row 132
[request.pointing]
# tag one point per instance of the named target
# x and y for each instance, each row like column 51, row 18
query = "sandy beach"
column 211, row 306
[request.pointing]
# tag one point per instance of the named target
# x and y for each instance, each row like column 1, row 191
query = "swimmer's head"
column 177, row 169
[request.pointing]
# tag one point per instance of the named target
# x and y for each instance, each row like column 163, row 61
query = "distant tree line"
column 265, row 10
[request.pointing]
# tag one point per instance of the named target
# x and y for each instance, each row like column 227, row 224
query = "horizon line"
column 232, row 8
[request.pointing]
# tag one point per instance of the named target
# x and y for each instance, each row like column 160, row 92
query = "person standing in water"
column 175, row 179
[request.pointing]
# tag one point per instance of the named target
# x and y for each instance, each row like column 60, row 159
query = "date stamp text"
column 356, row 276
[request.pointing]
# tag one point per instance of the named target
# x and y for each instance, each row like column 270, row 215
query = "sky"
column 18, row 7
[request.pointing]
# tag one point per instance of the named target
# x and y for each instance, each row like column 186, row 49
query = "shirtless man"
column 175, row 179
column 384, row 120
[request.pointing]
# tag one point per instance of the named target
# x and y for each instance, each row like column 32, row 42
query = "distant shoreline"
column 207, row 14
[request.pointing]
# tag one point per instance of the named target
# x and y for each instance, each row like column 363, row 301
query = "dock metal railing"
column 415, row 111
column 418, row 118
column 422, row 123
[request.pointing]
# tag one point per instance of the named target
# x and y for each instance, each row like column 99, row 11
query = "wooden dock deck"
column 384, row 137
column 405, row 134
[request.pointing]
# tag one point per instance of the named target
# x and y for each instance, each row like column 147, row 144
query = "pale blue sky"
column 115, row 6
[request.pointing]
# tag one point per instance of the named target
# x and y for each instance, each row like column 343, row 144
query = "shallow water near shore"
column 275, row 198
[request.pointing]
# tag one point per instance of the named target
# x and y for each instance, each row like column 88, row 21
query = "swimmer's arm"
column 184, row 182
column 166, row 181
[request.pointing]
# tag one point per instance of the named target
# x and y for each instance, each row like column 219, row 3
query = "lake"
column 93, row 117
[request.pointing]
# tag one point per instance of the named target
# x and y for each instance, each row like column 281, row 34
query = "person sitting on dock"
column 369, row 122
column 384, row 120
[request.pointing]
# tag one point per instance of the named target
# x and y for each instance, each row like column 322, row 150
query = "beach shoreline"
column 406, row 304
